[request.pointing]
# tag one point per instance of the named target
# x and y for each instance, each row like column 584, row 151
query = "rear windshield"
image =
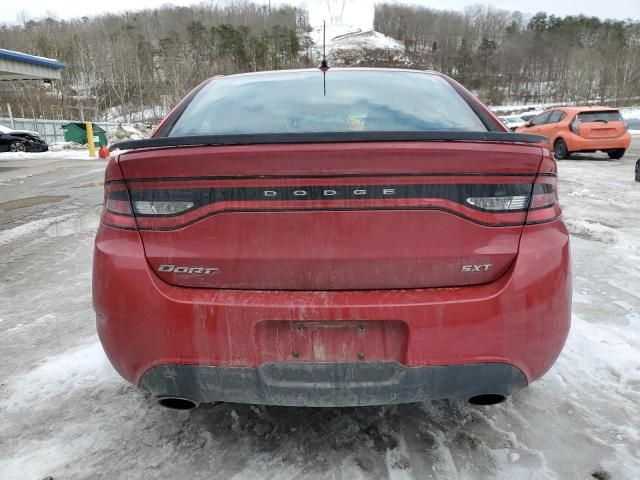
column 295, row 102
column 604, row 116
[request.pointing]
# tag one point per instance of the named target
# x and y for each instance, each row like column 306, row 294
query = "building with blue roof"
column 21, row 66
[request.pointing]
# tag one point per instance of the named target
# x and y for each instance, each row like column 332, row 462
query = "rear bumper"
column 331, row 385
column 149, row 328
column 575, row 143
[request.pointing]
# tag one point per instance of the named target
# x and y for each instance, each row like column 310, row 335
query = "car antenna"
column 324, row 65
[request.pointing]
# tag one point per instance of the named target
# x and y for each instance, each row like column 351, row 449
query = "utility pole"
column 13, row 123
column 90, row 142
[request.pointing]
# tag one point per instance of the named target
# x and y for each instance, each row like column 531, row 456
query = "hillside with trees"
column 146, row 61
column 507, row 57
column 121, row 64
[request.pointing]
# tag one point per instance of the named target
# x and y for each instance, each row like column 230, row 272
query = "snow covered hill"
column 354, row 46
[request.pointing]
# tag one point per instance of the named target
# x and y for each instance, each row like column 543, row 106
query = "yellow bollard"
column 92, row 146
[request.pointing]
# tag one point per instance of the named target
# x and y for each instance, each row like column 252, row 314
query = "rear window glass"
column 528, row 116
column 354, row 101
column 609, row 116
column 556, row 116
column 541, row 119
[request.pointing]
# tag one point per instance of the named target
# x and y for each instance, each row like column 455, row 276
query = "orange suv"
column 581, row 129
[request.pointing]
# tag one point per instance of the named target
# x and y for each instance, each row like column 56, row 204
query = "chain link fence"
column 50, row 130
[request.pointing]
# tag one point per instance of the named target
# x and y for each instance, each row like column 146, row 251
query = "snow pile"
column 78, row 224
column 81, row 368
column 59, row 146
column 350, row 37
column 61, row 154
column 127, row 132
column 15, row 233
column 503, row 110
column 121, row 115
column 592, row 230
column 347, row 45
column 630, row 112
column 632, row 117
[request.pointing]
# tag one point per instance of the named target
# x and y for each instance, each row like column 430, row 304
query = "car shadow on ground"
column 590, row 157
column 374, row 440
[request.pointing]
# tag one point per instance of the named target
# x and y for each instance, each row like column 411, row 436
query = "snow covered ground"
column 71, row 154
column 65, row 413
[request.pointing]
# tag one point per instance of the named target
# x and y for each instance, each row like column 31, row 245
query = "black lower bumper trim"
column 331, row 385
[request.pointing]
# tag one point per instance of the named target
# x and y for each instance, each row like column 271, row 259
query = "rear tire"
column 616, row 154
column 560, row 150
column 638, row 171
column 16, row 147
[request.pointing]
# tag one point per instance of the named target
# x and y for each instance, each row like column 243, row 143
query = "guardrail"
column 51, row 130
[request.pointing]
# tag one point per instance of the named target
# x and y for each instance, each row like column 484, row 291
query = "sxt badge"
column 476, row 268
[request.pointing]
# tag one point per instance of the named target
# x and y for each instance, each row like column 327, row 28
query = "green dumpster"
column 77, row 132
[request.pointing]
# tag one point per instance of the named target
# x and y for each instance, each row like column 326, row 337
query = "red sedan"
column 348, row 237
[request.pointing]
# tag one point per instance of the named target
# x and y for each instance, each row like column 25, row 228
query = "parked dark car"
column 21, row 141
column 638, row 171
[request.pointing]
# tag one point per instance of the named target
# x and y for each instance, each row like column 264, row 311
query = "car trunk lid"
column 600, row 124
column 379, row 215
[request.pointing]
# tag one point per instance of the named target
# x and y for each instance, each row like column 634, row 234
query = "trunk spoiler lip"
column 330, row 137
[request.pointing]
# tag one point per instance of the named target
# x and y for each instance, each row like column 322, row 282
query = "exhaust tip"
column 487, row 399
column 177, row 403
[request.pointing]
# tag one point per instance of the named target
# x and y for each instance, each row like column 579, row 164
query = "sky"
column 357, row 12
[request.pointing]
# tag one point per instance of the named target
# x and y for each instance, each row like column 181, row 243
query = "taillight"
column 574, row 126
column 117, row 206
column 544, row 206
column 501, row 203
column 158, row 202
column 146, row 207
column 118, row 200
column 151, row 205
